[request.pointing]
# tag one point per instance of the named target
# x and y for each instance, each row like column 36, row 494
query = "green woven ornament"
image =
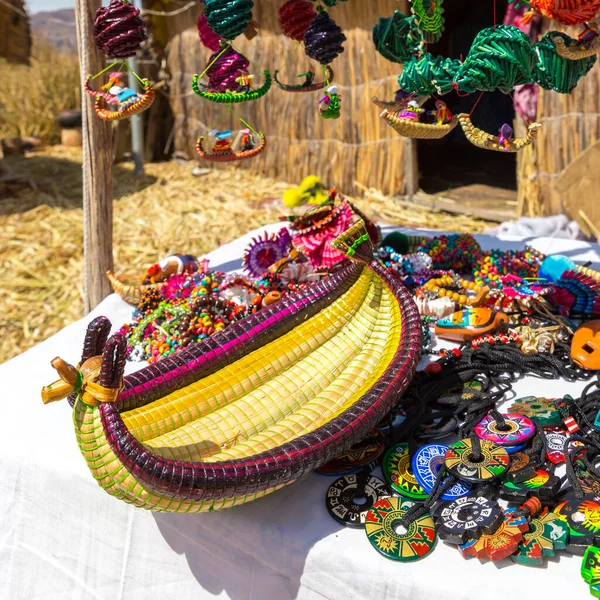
column 397, row 38
column 500, row 58
column 332, row 111
column 428, row 75
column 330, row 3
column 553, row 72
column 429, row 18
column 228, row 18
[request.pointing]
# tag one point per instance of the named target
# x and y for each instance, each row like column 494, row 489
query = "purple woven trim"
column 250, row 333
column 292, row 460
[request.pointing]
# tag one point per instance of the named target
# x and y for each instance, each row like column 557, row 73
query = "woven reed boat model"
column 416, row 130
column 254, row 407
column 232, row 97
column 229, row 155
column 130, row 287
column 308, row 85
column 487, row 141
column 143, row 103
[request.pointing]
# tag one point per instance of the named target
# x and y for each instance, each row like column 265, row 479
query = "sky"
column 34, row 6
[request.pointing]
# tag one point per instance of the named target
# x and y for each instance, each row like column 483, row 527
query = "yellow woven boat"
column 487, row 141
column 412, row 128
column 254, row 407
column 576, row 51
column 129, row 287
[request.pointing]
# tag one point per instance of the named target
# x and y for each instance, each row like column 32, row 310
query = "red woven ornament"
column 119, row 29
column 208, row 37
column 295, row 16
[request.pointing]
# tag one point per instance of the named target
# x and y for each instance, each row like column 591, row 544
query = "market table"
column 63, row 537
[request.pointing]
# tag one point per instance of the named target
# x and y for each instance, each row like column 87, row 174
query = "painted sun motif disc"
column 521, row 468
column 493, row 464
column 547, row 533
column 541, row 411
column 344, row 493
column 418, row 539
column 467, row 518
column 426, row 463
column 519, row 429
column 578, row 542
column 583, row 515
column 397, row 471
column 357, row 456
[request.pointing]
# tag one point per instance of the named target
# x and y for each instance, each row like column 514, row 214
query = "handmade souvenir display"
column 119, row 31
column 123, row 418
column 469, row 323
column 577, row 293
column 357, row 457
column 429, row 19
column 569, row 12
column 397, row 38
column 266, row 250
column 295, row 16
column 208, row 38
column 309, row 84
column 585, row 346
column 252, row 143
column 329, row 104
column 503, row 142
column 242, row 91
column 397, row 471
column 228, row 18
column 467, row 518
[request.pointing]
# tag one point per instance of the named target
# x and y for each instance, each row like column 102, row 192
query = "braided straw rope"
column 487, row 141
column 230, row 156
column 413, row 129
column 129, row 291
column 141, row 105
column 577, row 51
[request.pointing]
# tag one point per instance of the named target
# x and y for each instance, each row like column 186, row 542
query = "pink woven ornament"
column 119, row 29
column 208, row 37
column 315, row 241
column 223, row 73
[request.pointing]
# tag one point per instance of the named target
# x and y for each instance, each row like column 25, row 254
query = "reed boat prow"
column 257, row 405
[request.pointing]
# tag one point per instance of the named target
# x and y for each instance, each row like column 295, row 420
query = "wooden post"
column 97, row 167
column 411, row 167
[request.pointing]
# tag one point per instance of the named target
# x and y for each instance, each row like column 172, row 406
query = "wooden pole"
column 97, row 167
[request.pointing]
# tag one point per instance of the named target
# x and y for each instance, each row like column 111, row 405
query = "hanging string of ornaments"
column 500, row 58
column 119, row 32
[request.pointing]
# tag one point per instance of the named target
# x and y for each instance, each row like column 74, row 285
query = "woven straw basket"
column 254, row 407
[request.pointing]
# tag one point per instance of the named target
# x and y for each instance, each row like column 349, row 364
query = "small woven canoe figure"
column 503, row 142
column 254, row 407
column 587, row 44
column 309, row 84
column 251, row 144
column 116, row 102
column 406, row 121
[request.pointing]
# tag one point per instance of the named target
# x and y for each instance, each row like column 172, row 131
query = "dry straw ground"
column 168, row 210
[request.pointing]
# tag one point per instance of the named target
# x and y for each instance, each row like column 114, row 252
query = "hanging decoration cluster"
column 119, row 32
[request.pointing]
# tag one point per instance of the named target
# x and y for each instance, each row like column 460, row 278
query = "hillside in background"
column 57, row 26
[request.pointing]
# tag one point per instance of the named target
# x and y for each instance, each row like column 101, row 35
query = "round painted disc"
column 426, row 463
column 397, row 471
column 583, row 515
column 519, row 430
column 471, row 390
column 342, row 495
column 467, row 518
column 418, row 540
column 357, row 456
column 521, row 468
column 493, row 464
column 543, row 485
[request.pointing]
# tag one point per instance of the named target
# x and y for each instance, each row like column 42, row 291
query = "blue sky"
column 34, row 6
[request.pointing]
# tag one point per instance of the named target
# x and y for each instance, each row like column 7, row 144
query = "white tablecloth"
column 62, row 537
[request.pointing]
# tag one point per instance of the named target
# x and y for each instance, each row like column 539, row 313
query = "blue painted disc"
column 426, row 463
column 514, row 449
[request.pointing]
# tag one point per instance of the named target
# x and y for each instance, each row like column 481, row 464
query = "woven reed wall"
column 15, row 35
column 570, row 124
column 357, row 147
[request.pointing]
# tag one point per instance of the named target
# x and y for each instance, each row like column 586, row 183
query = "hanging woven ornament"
column 119, row 30
column 224, row 70
column 500, row 58
column 503, row 142
column 429, row 18
column 406, row 121
column 295, row 16
column 229, row 80
column 323, row 39
column 569, row 12
column 228, row 18
column 208, row 37
column 248, row 144
column 587, row 43
column 329, row 104
column 330, row 3
column 397, row 38
column 428, row 75
column 553, row 72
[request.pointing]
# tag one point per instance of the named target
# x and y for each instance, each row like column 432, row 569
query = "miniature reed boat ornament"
column 499, row 143
column 309, row 84
column 256, row 406
column 133, row 106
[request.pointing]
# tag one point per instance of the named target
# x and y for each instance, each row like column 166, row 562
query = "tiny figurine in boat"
column 443, row 114
column 173, row 265
column 223, row 141
column 125, row 96
column 329, row 104
column 247, row 140
column 309, row 78
column 505, row 136
column 245, row 81
column 411, row 111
